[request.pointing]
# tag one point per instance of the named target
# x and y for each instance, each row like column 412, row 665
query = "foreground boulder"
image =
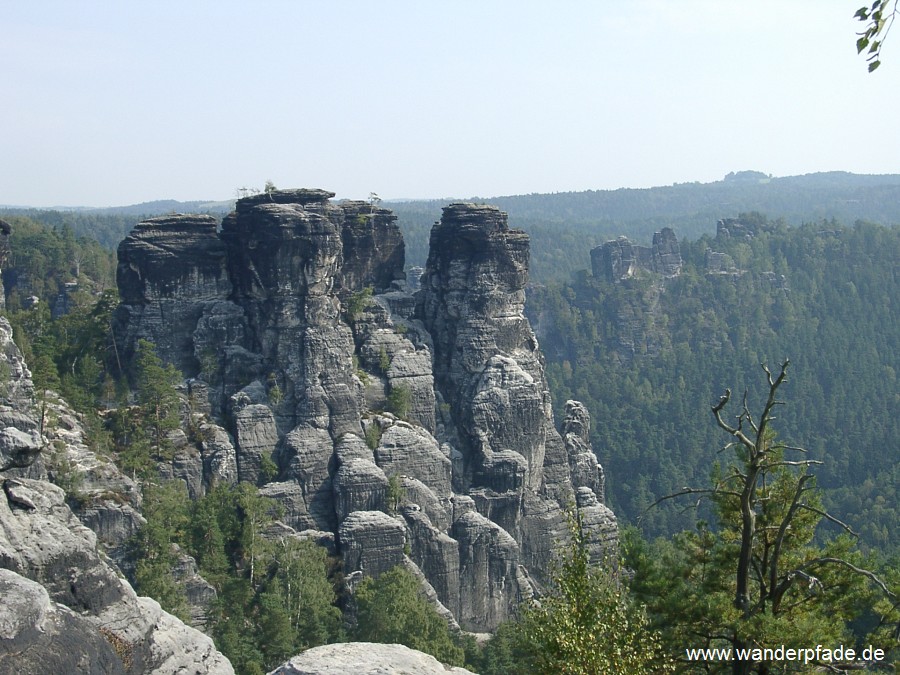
column 365, row 658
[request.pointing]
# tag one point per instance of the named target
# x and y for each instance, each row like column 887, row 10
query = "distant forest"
column 564, row 225
column 649, row 357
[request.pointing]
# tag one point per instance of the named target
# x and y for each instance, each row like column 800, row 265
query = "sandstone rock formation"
column 621, row 259
column 365, row 658
column 415, row 429
column 65, row 608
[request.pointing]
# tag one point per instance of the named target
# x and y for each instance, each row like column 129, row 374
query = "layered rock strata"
column 415, row 429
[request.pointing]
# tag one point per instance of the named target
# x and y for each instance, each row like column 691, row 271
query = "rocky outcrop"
column 735, row 228
column 413, row 429
column 20, row 440
column 5, row 231
column 171, row 273
column 506, row 453
column 42, row 541
column 620, row 259
column 65, row 608
column 40, row 636
column 365, row 658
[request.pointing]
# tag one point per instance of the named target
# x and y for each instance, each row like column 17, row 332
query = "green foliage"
column 276, row 597
column 391, row 609
column 373, row 435
column 564, row 226
column 166, row 513
column 274, row 391
column 642, row 360
column 759, row 579
column 268, row 469
column 399, row 400
column 357, row 302
column 586, row 624
column 156, row 394
column 44, row 258
column 384, row 360
column 877, row 20
column 503, row 654
column 396, row 493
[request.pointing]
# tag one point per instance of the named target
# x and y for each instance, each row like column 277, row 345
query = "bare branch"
column 871, row 576
column 831, row 518
column 734, row 431
column 802, row 462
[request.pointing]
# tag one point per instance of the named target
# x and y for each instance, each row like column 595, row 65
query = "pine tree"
column 760, row 578
column 156, row 393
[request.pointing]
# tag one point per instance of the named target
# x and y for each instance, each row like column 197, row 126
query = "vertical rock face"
column 416, row 429
column 620, row 259
column 5, row 231
column 512, row 462
column 171, row 272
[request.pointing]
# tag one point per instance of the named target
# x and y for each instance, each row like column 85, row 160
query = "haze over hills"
column 562, row 222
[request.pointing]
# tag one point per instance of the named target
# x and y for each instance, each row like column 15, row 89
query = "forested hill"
column 563, row 226
column 649, row 355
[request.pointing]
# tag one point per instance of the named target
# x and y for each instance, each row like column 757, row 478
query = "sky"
column 107, row 103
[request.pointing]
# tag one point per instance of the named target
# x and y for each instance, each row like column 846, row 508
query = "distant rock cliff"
column 415, row 429
column 620, row 259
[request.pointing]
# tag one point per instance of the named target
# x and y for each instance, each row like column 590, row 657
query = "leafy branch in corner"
column 877, row 19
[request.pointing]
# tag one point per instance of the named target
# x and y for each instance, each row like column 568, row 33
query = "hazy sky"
column 113, row 103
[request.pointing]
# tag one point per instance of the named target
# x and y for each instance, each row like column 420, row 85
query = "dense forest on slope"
column 42, row 260
column 563, row 226
column 649, row 356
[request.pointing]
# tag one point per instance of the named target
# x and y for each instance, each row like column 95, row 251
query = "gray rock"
column 371, row 541
column 49, row 546
column 260, row 317
column 18, row 389
column 255, row 436
column 490, row 584
column 436, row 554
column 405, row 450
column 620, row 259
column 359, row 485
column 39, row 636
column 170, row 269
column 305, row 456
column 200, row 594
column 365, row 658
column 585, row 469
column 218, row 455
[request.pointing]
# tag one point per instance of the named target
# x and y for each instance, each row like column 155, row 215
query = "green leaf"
column 874, row 65
column 861, row 44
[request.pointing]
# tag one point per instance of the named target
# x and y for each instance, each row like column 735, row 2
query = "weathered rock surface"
column 620, row 259
column 506, row 453
column 42, row 540
column 65, row 608
column 171, row 271
column 40, row 636
column 415, row 429
column 365, row 658
column 20, row 441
